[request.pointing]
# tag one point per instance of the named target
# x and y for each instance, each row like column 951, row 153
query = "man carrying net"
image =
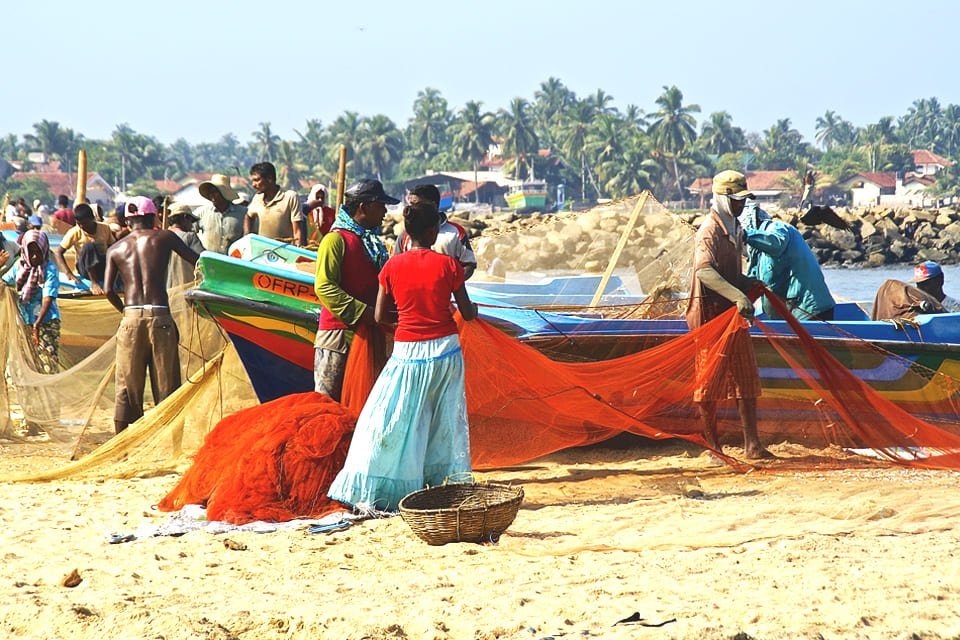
column 718, row 284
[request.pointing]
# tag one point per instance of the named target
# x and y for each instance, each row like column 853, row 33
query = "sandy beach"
column 659, row 531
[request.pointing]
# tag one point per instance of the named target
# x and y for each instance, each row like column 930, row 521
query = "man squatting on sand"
column 718, row 285
column 147, row 337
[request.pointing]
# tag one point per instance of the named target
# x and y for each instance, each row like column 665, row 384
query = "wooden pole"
column 165, row 210
column 93, row 407
column 81, row 177
column 624, row 237
column 342, row 175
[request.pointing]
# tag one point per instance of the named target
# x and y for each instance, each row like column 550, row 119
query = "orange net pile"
column 277, row 460
column 270, row 462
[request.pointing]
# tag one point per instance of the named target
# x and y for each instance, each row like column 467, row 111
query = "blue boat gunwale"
column 940, row 331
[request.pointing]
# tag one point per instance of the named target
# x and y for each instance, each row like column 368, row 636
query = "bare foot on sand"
column 757, row 453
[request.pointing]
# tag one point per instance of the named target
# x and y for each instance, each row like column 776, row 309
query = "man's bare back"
column 140, row 260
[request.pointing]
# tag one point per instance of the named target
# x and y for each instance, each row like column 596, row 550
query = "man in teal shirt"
column 778, row 255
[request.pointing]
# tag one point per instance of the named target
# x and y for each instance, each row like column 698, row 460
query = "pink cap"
column 141, row 205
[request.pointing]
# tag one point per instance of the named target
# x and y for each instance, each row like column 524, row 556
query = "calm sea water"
column 862, row 284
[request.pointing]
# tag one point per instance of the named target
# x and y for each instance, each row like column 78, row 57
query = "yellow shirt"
column 77, row 237
column 278, row 216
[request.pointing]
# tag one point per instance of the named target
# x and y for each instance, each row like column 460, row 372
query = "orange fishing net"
column 272, row 462
column 276, row 461
column 524, row 405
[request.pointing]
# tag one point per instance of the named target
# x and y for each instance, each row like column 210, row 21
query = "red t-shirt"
column 421, row 282
column 65, row 215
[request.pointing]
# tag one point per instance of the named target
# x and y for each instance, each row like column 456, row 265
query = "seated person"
column 90, row 239
column 928, row 277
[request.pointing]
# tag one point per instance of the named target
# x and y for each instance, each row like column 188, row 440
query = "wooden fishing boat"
column 527, row 196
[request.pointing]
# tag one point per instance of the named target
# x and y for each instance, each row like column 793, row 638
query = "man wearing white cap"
column 220, row 223
column 148, row 336
column 718, row 285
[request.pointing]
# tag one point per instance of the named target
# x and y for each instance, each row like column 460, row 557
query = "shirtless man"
column 147, row 337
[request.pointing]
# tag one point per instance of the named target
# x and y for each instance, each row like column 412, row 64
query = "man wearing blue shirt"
column 778, row 255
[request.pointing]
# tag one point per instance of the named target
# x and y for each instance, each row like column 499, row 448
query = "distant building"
column 928, row 163
column 60, row 182
column 767, row 186
column 489, row 187
column 890, row 189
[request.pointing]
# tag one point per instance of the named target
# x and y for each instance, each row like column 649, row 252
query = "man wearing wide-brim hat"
column 349, row 260
column 220, row 223
column 718, row 285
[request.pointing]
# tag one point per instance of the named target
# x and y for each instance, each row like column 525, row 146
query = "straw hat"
column 219, row 182
column 181, row 209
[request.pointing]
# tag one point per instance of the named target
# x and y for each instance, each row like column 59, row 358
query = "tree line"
column 587, row 143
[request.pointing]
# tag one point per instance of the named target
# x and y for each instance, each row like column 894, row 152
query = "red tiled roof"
column 756, row 181
column 922, row 156
column 59, row 183
column 885, row 180
column 167, row 186
column 911, row 177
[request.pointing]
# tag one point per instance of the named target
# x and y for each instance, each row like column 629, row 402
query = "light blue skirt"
column 413, row 429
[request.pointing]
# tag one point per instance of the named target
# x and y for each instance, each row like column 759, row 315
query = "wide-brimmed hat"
column 731, row 183
column 926, row 270
column 180, row 209
column 219, row 182
column 369, row 190
column 139, row 206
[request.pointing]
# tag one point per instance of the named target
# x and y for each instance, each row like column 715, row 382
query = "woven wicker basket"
column 461, row 512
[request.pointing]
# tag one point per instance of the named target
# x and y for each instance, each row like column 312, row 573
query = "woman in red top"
column 413, row 429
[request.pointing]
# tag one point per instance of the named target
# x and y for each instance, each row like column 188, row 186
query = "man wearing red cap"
column 147, row 337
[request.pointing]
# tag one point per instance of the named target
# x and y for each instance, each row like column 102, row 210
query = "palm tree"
column 718, row 135
column 519, row 138
column 573, row 142
column 345, row 130
column 604, row 144
column 630, row 173
column 9, row 146
column 550, row 101
column 312, row 143
column 472, row 137
column 674, row 128
column 830, row 130
column 266, row 141
column 635, row 119
column 289, row 168
column 427, row 131
column 48, row 137
column 602, row 102
column 782, row 146
column 381, row 143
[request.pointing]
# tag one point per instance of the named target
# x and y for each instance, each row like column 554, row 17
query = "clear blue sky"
column 201, row 69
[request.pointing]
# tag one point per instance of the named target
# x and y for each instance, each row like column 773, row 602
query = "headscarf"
column 721, row 205
column 372, row 244
column 32, row 276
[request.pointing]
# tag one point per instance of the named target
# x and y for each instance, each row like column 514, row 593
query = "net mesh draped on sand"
column 75, row 407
